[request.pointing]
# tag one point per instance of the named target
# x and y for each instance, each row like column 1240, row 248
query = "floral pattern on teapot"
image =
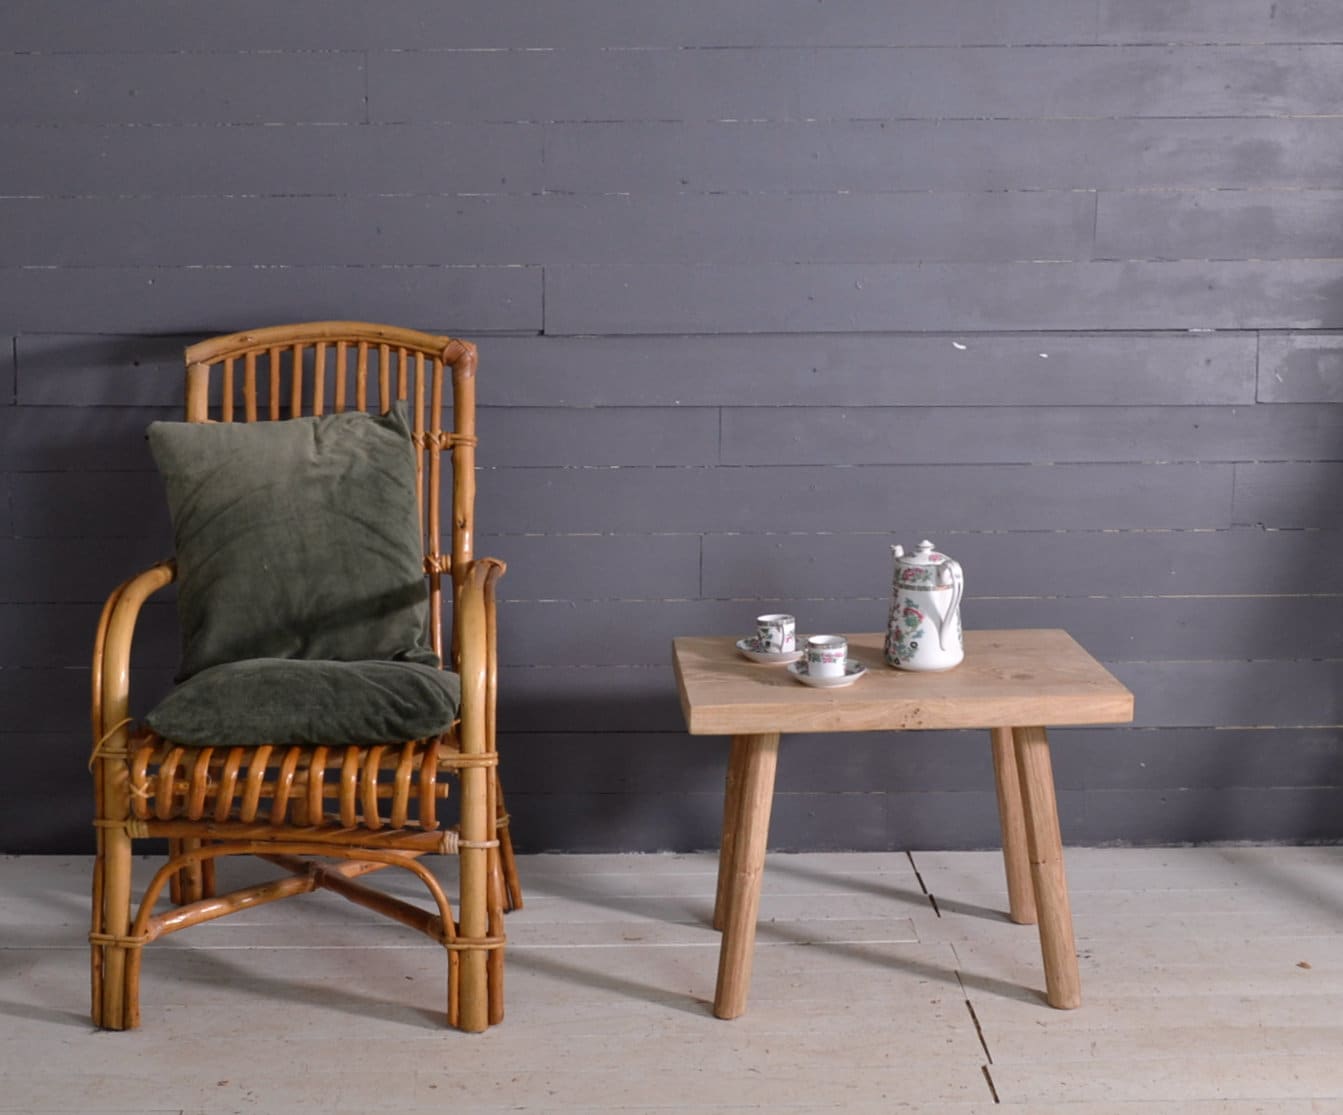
column 904, row 633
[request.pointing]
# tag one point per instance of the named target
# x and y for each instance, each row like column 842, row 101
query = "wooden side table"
column 1012, row 682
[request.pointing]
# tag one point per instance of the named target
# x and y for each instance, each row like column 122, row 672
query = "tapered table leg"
column 756, row 757
column 731, row 807
column 1016, row 856
column 1063, row 983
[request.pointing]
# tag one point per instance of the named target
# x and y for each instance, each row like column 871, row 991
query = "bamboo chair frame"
column 365, row 807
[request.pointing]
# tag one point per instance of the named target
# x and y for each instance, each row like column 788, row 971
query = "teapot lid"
column 923, row 555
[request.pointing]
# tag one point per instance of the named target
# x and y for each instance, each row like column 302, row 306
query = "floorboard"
column 1212, row 985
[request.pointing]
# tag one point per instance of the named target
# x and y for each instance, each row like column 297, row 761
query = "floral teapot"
column 924, row 630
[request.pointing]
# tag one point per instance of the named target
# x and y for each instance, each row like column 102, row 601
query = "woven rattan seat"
column 324, row 814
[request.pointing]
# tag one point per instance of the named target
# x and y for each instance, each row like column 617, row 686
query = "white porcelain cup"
column 826, row 655
column 777, row 633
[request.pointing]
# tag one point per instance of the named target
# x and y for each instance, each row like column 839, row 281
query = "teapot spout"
column 898, row 551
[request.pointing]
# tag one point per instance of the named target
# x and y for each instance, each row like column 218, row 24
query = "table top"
column 1023, row 678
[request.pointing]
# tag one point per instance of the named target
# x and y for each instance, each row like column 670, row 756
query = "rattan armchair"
column 325, row 814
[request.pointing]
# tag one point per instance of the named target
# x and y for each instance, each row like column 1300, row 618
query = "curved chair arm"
column 478, row 658
column 112, row 647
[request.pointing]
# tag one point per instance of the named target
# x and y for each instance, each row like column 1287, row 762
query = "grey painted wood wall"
column 760, row 287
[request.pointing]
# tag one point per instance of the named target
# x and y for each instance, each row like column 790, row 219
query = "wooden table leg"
column 757, row 761
column 1063, row 982
column 731, row 807
column 1016, row 856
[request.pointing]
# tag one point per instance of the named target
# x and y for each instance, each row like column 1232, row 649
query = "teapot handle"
column 950, row 568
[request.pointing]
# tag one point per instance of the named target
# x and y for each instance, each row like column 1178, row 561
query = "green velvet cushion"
column 286, row 701
column 295, row 539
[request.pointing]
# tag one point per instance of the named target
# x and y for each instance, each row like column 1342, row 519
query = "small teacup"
column 777, row 633
column 826, row 655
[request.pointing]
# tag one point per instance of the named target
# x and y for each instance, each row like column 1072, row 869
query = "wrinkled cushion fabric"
column 288, row 701
column 295, row 539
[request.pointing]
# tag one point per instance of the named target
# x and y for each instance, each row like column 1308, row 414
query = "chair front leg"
column 115, row 968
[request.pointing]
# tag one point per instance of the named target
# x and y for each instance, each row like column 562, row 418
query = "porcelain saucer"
column 750, row 647
column 853, row 670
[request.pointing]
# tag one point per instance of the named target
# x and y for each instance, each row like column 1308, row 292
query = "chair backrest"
column 289, row 371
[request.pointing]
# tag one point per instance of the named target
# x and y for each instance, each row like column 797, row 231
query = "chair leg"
column 194, row 881
column 508, row 864
column 176, row 893
column 96, row 949
column 495, row 960
column 496, row 900
column 473, row 908
column 115, row 965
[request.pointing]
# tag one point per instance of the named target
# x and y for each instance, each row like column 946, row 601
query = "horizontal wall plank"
column 550, row 822
column 611, row 762
column 61, row 635
column 856, row 83
column 1224, row 21
column 674, row 763
column 574, row 437
column 970, row 497
column 893, row 821
column 1059, row 154
column 1300, row 367
column 1288, row 495
column 224, row 299
column 810, row 155
column 1080, row 563
column 595, row 566
column 1122, row 369
column 1204, row 628
column 810, row 821
column 762, row 298
column 71, row 570
column 124, row 25
column 1083, row 759
column 38, row 439
column 1212, row 759
column 43, row 699
column 1115, row 629
column 588, row 699
column 53, row 812
column 180, row 88
column 78, row 370
column 1092, row 759
column 972, row 435
column 547, row 228
column 90, row 505
column 171, row 160
column 1235, row 694
column 348, row 25
column 1196, row 815
column 1220, row 224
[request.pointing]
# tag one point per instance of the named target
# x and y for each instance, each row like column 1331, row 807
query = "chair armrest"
column 477, row 654
column 112, row 646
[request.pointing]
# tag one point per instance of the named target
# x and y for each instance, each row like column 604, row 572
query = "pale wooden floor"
column 1212, row 979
